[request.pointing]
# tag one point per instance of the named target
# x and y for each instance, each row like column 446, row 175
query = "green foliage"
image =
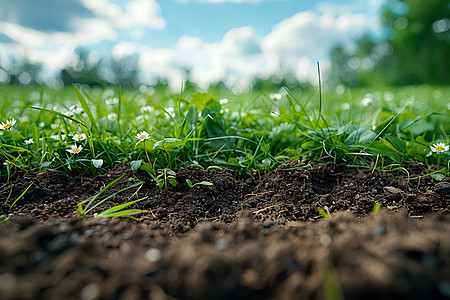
column 375, row 208
column 116, row 211
column 191, row 185
column 324, row 213
column 165, row 176
column 414, row 50
column 248, row 133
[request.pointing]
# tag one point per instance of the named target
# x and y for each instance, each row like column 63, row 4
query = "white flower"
column 79, row 137
column 112, row 116
column 56, row 137
column 74, row 149
column 112, row 101
column 73, row 109
column 345, row 106
column 29, row 141
column 366, row 101
column 142, row 136
column 146, row 108
column 275, row 96
column 439, row 147
column 223, row 101
column 8, row 124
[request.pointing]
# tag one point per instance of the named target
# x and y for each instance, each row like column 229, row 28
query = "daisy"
column 439, row 147
column 112, row 116
column 112, row 101
column 29, row 141
column 79, row 137
column 74, row 149
column 275, row 96
column 8, row 125
column 146, row 108
column 142, row 136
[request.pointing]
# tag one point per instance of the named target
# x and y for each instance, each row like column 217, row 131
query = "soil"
column 248, row 236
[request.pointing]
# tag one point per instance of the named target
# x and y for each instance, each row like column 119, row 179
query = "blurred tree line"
column 415, row 48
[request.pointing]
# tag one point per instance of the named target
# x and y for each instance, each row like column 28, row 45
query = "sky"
column 229, row 40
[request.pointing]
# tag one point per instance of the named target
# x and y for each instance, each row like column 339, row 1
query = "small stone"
column 393, row 193
column 380, row 230
column 89, row 233
column 442, row 188
column 152, row 254
column 221, row 244
column 269, row 223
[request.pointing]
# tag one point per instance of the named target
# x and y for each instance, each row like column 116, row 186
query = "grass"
column 256, row 131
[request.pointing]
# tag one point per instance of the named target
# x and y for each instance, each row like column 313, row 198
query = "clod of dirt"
column 442, row 188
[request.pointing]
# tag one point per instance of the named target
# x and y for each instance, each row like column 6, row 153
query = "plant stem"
column 439, row 160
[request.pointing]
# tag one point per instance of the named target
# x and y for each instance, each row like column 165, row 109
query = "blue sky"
column 230, row 40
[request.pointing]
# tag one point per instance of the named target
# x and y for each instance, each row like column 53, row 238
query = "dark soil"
column 244, row 237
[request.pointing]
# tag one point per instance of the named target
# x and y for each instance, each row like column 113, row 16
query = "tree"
column 415, row 49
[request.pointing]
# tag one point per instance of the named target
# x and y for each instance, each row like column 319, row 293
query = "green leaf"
column 323, row 212
column 438, row 176
column 376, row 208
column 123, row 213
column 360, row 136
column 205, row 183
column 136, row 164
column 189, row 182
column 80, row 210
column 172, row 181
column 97, row 163
column 192, row 114
column 168, row 144
column 119, row 207
column 389, row 145
column 85, row 105
column 205, row 100
column 146, row 167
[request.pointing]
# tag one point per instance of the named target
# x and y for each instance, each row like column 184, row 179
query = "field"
column 271, row 194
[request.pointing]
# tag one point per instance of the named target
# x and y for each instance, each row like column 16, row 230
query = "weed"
column 191, row 185
column 116, row 211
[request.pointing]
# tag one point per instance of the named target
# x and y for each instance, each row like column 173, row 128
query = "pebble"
column 152, row 254
column 62, row 242
column 89, row 232
column 269, row 223
column 221, row 244
column 38, row 257
column 380, row 230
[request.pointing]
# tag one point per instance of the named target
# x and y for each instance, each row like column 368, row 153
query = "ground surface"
column 244, row 237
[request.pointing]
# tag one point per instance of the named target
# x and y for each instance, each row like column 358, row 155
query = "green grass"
column 256, row 131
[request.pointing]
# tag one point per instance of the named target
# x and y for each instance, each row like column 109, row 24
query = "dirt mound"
column 243, row 237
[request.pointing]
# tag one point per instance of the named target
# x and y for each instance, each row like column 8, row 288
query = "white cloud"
column 138, row 13
column 308, row 36
column 222, row 1
column 188, row 43
column 293, row 45
column 55, row 49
